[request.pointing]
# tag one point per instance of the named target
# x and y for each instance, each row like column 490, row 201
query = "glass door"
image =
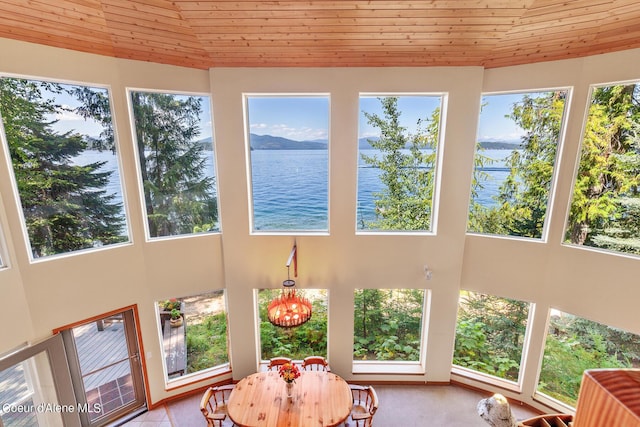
column 29, row 396
column 105, row 366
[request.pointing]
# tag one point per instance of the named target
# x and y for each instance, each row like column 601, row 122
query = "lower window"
column 490, row 334
column 388, row 324
column 194, row 333
column 308, row 339
column 575, row 344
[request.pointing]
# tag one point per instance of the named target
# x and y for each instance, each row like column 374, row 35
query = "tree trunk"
column 579, row 233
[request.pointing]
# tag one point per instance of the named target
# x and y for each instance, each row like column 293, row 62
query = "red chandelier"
column 289, row 309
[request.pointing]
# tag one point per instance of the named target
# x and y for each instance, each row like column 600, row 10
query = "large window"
column 297, row 343
column 490, row 334
column 575, row 344
column 517, row 145
column 398, row 144
column 194, row 333
column 175, row 150
column 62, row 147
column 605, row 208
column 288, row 142
column 388, row 324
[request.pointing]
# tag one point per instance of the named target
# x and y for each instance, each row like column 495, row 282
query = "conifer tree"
column 407, row 168
column 65, row 205
column 605, row 209
column 179, row 196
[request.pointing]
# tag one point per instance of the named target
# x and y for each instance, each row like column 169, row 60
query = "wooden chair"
column 214, row 405
column 315, row 363
column 365, row 405
column 277, row 361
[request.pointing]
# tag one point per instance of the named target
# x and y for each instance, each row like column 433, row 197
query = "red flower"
column 289, row 372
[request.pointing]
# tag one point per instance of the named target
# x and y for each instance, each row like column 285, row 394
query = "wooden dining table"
column 318, row 399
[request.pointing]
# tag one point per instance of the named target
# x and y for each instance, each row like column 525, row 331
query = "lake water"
column 290, row 191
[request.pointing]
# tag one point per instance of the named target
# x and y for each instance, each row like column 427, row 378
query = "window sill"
column 379, row 367
column 196, row 377
column 486, row 379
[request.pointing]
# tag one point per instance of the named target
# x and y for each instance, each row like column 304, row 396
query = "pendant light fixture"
column 289, row 309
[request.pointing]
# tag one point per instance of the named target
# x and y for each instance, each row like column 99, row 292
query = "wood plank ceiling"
column 328, row 33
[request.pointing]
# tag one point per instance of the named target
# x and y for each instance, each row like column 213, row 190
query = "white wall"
column 594, row 285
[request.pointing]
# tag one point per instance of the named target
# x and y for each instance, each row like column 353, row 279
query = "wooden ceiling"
column 328, row 33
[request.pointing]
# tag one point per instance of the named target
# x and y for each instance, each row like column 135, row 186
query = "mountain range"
column 269, row 142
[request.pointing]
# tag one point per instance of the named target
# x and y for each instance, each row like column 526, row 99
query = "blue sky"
column 70, row 121
column 492, row 125
column 412, row 108
column 307, row 117
column 300, row 118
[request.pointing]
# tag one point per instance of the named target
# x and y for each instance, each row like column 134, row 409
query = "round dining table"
column 317, row 399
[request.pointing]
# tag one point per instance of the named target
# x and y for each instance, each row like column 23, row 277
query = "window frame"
column 494, row 380
column 401, row 367
column 4, row 145
column 262, row 363
column 248, row 162
column 586, row 113
column 204, row 374
column 138, row 166
column 544, row 398
column 438, row 164
column 552, row 192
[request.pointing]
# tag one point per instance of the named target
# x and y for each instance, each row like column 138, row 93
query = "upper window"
column 575, row 344
column 388, row 324
column 308, row 339
column 398, row 144
column 490, row 334
column 605, row 208
column 288, row 142
column 175, row 150
column 518, row 141
column 62, row 148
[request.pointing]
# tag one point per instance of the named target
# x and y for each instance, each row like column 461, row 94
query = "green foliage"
column 387, row 324
column 179, row 195
column 605, row 208
column 299, row 342
column 207, row 343
column 490, row 334
column 405, row 202
column 570, row 349
column 65, row 205
column 523, row 197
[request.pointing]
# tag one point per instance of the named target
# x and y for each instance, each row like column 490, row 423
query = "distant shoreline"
column 268, row 142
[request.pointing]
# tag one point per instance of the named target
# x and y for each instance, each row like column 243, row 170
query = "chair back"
column 277, row 361
column 213, row 404
column 365, row 405
column 315, row 363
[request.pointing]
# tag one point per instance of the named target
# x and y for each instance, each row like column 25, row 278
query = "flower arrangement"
column 289, row 372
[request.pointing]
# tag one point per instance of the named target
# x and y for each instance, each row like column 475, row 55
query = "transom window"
column 289, row 160
column 63, row 152
column 397, row 145
column 175, row 151
column 518, row 139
